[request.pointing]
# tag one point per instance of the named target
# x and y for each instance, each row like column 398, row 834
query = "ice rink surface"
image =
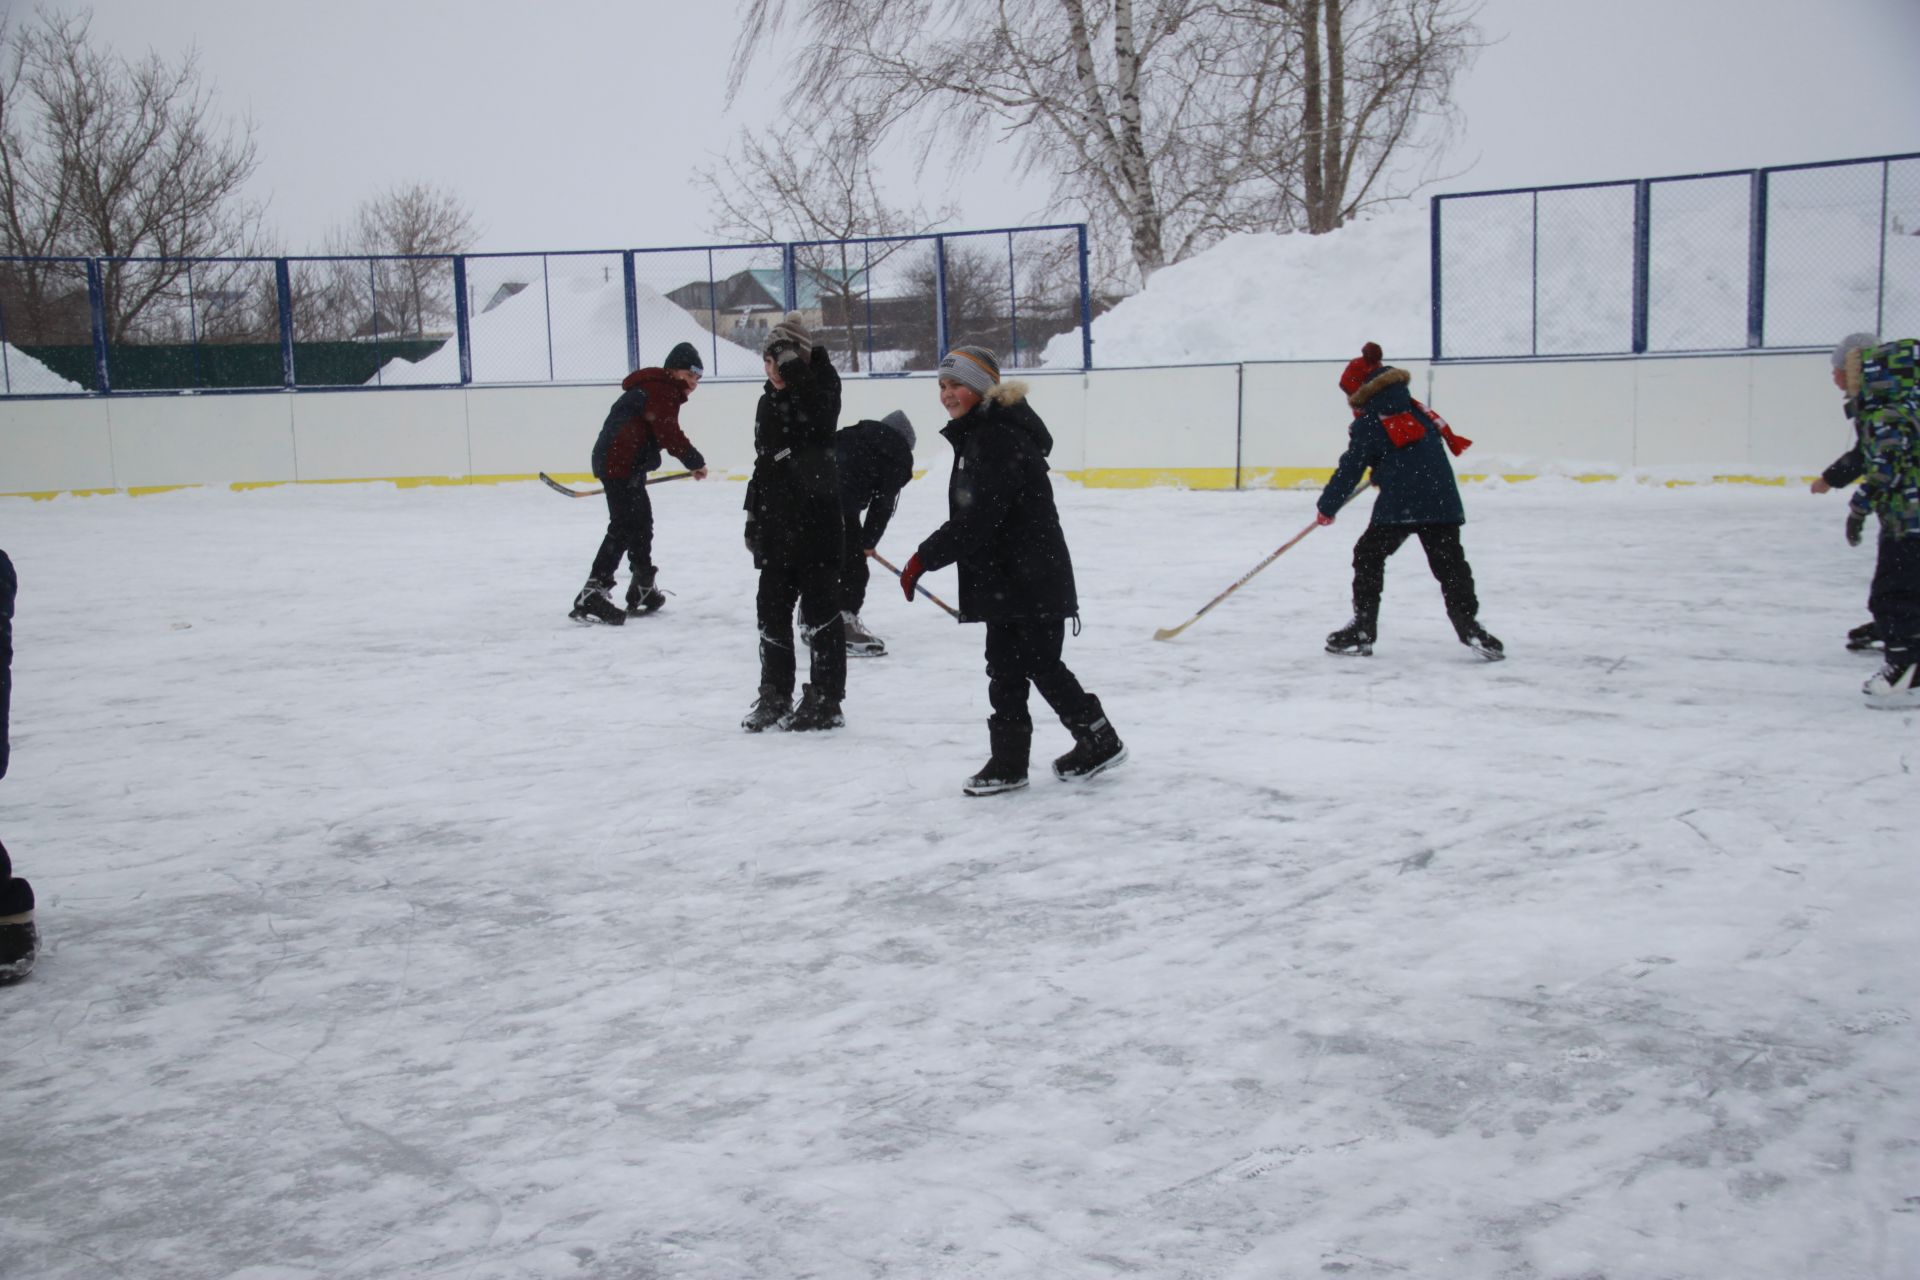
column 396, row 926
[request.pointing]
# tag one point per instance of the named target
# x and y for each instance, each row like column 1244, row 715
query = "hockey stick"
column 922, row 590
column 557, row 487
column 1168, row 633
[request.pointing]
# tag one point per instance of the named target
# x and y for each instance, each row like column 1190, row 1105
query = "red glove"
column 1322, row 521
column 911, row 575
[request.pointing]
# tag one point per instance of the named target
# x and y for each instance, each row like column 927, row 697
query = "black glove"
column 1856, row 522
column 753, row 539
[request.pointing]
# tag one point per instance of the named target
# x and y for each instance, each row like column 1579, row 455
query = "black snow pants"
column 1023, row 654
column 629, row 533
column 1441, row 542
column 1894, row 598
column 802, row 566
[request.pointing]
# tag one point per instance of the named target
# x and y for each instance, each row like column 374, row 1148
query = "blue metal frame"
column 1757, row 222
column 463, row 302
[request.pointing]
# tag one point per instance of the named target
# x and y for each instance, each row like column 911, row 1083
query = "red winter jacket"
column 643, row 421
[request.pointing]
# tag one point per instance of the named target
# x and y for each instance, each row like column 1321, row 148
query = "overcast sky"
column 573, row 124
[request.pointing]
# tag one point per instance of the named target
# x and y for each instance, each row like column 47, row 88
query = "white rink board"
column 1744, row 415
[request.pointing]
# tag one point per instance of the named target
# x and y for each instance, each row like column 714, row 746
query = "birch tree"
column 1169, row 122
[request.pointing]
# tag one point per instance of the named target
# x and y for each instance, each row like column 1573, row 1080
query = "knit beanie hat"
column 790, row 332
column 974, row 367
column 898, row 421
column 1853, row 342
column 684, row 356
column 1357, row 371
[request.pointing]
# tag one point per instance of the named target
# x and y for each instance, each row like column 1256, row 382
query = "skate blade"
column 993, row 788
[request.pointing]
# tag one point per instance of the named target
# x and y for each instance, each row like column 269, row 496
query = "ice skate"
column 1352, row 641
column 643, row 597
column 769, row 709
column 1895, row 688
column 862, row 643
column 816, row 711
column 593, row 605
column 1864, row 638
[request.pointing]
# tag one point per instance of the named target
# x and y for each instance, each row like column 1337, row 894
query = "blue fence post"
column 1433, row 269
column 1013, row 305
column 939, row 298
column 283, row 292
column 713, row 314
column 97, row 307
column 1757, row 260
column 789, row 286
column 462, row 319
column 1642, row 251
column 1086, row 305
column 632, row 287
column 1880, row 278
column 1533, row 333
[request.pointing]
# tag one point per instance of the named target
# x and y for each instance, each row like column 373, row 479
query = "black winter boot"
column 1353, row 640
column 1096, row 747
column 19, row 946
column 816, row 711
column 769, row 709
column 1006, row 769
column 593, row 605
column 642, row 596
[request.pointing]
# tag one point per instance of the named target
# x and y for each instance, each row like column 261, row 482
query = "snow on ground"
column 22, row 375
column 1258, row 296
column 397, row 927
column 572, row 327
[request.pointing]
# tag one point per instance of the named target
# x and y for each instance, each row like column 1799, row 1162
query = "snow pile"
column 574, row 329
column 22, row 375
column 1275, row 297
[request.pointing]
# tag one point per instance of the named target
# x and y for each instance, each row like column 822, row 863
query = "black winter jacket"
column 1002, row 528
column 1851, row 465
column 875, row 464
column 793, row 499
column 8, row 582
column 1416, row 480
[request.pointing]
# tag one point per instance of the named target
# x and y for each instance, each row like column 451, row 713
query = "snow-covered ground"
column 22, row 375
column 397, row 927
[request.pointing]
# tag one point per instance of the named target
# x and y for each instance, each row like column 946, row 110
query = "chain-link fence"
column 1766, row 258
column 70, row 326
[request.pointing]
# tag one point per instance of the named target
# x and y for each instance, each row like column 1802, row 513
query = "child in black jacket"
column 1015, row 574
column 794, row 532
column 875, row 460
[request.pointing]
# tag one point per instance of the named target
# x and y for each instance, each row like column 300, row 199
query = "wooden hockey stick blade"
column 557, row 487
column 1168, row 633
column 951, row 611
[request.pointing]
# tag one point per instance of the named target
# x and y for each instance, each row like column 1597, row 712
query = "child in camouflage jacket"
column 1886, row 380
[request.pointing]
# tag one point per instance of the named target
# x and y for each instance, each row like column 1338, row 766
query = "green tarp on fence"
column 232, row 366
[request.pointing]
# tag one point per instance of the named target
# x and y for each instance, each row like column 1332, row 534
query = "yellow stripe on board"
column 1204, row 478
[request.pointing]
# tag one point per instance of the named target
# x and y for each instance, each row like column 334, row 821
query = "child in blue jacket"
column 1405, row 445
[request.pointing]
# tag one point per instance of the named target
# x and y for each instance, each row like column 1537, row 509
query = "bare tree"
column 1172, row 122
column 1371, row 72
column 791, row 186
column 408, row 235
column 104, row 157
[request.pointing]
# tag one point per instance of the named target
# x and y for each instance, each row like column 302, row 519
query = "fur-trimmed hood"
column 1008, row 393
column 1387, row 377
